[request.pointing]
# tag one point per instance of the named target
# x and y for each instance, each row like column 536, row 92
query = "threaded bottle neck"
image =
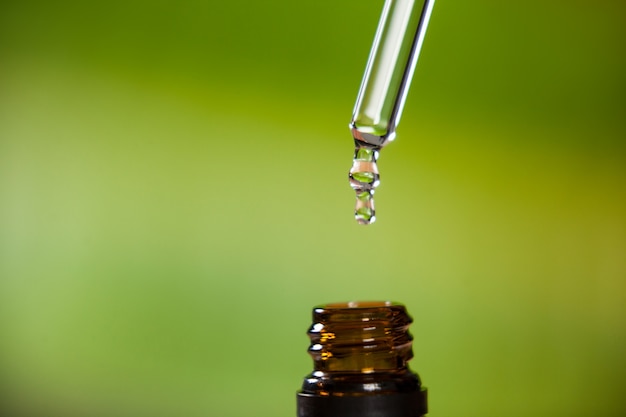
column 360, row 353
column 363, row 337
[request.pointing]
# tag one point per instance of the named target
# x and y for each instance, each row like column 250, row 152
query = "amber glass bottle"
column 360, row 352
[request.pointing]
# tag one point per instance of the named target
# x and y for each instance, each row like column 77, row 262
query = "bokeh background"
column 174, row 201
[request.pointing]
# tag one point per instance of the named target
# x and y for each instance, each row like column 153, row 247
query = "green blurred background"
column 174, row 200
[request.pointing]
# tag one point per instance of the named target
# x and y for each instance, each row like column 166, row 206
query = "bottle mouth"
column 353, row 313
column 358, row 304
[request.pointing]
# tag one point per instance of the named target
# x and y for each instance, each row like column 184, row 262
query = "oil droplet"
column 364, row 179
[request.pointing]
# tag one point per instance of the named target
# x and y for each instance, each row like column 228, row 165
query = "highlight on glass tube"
column 383, row 91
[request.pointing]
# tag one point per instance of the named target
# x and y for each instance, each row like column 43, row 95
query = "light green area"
column 174, row 199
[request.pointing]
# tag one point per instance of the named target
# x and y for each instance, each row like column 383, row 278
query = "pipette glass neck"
column 389, row 70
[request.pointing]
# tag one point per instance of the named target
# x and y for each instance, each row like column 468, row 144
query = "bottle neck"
column 364, row 337
column 360, row 353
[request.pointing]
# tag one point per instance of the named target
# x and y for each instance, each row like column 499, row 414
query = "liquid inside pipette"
column 364, row 179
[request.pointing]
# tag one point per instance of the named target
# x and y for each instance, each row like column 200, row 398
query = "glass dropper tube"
column 383, row 91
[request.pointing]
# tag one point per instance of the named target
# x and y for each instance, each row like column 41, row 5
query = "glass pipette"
column 383, row 91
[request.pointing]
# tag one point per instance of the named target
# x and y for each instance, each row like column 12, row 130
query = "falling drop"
column 364, row 179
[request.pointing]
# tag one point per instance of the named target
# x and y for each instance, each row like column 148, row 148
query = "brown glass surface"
column 360, row 348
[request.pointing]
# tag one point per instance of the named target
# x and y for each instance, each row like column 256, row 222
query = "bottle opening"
column 360, row 304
